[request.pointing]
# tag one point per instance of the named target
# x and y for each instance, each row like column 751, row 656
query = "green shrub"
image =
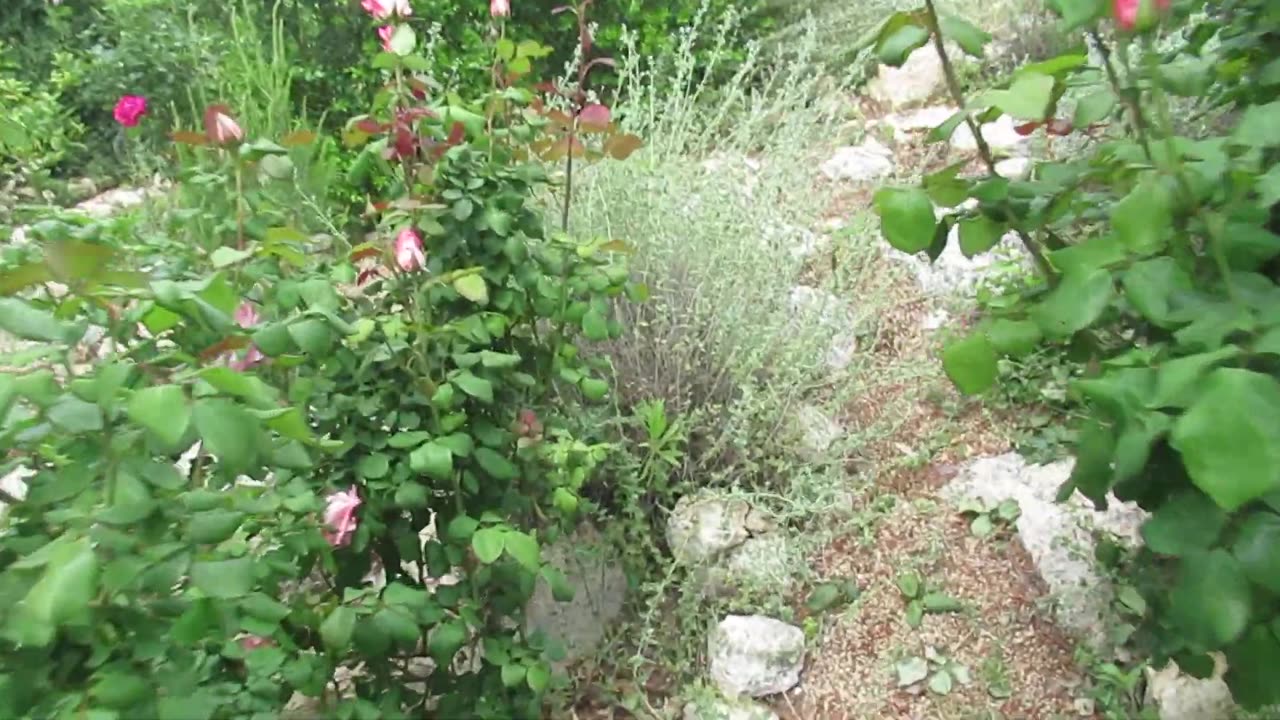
column 415, row 422
column 1158, row 253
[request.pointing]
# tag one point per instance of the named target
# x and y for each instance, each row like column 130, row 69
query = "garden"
column 695, row 359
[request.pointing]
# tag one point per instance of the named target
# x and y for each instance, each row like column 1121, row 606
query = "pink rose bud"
column 384, row 33
column 130, row 109
column 246, row 315
column 1138, row 14
column 408, row 250
column 499, row 8
column 220, row 127
column 340, row 517
column 253, row 642
column 383, row 9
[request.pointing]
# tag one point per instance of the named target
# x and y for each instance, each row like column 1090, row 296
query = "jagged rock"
column 702, row 527
column 832, row 315
column 860, row 163
column 600, row 587
column 1177, row 696
column 1057, row 535
column 999, row 134
column 918, row 121
column 720, row 709
column 953, row 273
column 1014, row 168
column 754, row 655
column 817, row 431
column 919, row 78
column 764, row 561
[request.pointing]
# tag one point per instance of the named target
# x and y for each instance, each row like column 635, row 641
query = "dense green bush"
column 398, row 406
column 1158, row 255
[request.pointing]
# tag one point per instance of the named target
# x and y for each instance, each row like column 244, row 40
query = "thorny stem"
column 1130, row 102
column 568, row 178
column 984, row 150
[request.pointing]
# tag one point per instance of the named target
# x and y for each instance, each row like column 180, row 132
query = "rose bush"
column 302, row 471
column 1157, row 250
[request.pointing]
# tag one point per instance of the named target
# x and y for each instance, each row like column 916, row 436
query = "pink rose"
column 384, row 33
column 499, row 8
column 130, row 109
column 340, row 517
column 383, row 9
column 408, row 250
column 1137, row 14
column 246, row 315
column 252, row 357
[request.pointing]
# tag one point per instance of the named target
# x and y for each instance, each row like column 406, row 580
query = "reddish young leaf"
column 366, row 124
column 563, row 147
column 187, row 137
column 225, row 345
column 559, row 119
column 298, row 138
column 594, row 118
column 457, row 134
column 1060, row 127
column 1027, row 128
column 621, row 146
column 364, row 250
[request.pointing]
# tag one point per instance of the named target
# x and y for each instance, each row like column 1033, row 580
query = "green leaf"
column 476, row 387
column 460, row 444
column 495, row 465
column 1014, row 338
column 337, row 629
column 75, row 415
column 1075, row 304
column 1178, row 380
column 461, row 528
column 403, row 40
column 1149, row 285
column 399, row 625
column 488, row 544
column 1251, row 669
column 229, row 432
column 1132, row 599
column 981, row 527
column 23, row 321
column 473, row 288
column 1186, row 522
column 513, row 675
column 906, row 218
column 64, row 590
column 1229, row 438
column 979, row 234
column 403, row 440
column 118, row 690
column 524, row 550
column 595, row 326
column 1256, row 128
column 213, row 526
column 1143, row 219
column 909, row 585
column 594, row 389
column 971, row 364
column 968, row 36
column 911, row 671
column 561, row 590
column 937, row 602
column 1027, row 98
column 223, row 578
column 1257, row 547
column 538, row 676
column 433, row 459
column 373, row 467
column 1211, row 602
column 1093, row 108
column 498, row 360
column 940, row 683
column 265, row 608
column 313, row 335
column 412, row 496
column 914, row 615
column 823, row 598
column 225, row 256
column 895, row 46
column 162, row 410
column 445, row 640
column 943, row 132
